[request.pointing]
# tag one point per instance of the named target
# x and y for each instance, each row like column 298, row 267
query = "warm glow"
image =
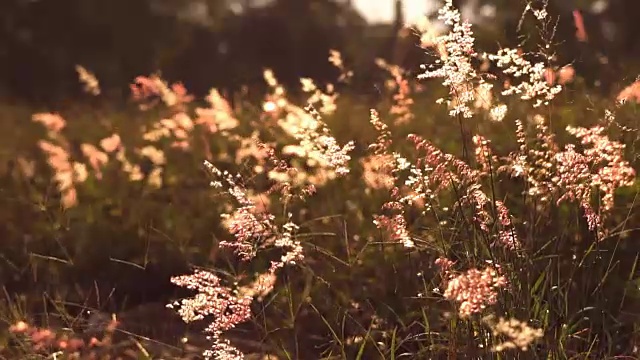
column 376, row 11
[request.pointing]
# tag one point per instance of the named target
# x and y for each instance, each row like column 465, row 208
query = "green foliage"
column 357, row 293
column 130, row 237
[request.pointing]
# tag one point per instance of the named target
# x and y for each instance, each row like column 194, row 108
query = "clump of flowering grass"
column 335, row 58
column 149, row 91
column 630, row 93
column 60, row 344
column 402, row 100
column 569, row 174
column 250, row 224
column 179, row 131
column 455, row 63
column 252, row 227
column 315, row 147
column 67, row 172
column 519, row 335
column 489, row 212
column 90, row 83
column 253, row 230
column 534, row 86
column 474, row 289
column 221, row 303
column 375, row 175
column 467, row 190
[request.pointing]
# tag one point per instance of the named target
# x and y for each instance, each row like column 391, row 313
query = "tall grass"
column 499, row 224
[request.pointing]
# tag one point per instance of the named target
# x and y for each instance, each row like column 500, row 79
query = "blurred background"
column 228, row 43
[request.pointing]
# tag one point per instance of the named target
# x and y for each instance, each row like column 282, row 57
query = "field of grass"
column 480, row 212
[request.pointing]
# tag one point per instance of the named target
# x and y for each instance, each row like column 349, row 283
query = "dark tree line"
column 42, row 41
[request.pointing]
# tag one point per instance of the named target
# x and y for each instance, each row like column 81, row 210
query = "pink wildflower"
column 475, row 289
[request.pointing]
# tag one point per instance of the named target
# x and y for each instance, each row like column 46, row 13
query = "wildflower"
column 134, row 171
column 65, row 173
column 19, row 327
column 89, row 80
column 218, row 116
column 484, row 158
column 507, row 236
column 396, row 228
column 183, row 121
column 326, row 99
column 483, row 96
column 154, row 154
column 428, row 32
column 80, row 172
column 53, row 122
column 248, row 228
column 630, row 93
column 270, row 78
column 384, row 135
column 111, row 143
column 444, row 264
column 377, row 171
column 226, row 309
column 308, row 85
column 475, row 289
column 335, row 58
column 498, row 112
column 402, row 98
column 477, row 199
column 581, row 32
column 307, row 127
column 566, row 74
column 155, row 178
column 613, row 171
column 251, row 147
column 149, row 90
column 456, row 68
column 253, row 229
column 536, row 84
column 519, row 334
column 97, row 158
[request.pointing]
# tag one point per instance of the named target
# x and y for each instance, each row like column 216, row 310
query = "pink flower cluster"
column 66, row 173
column 630, row 93
column 149, row 91
column 606, row 157
column 69, row 173
column 225, row 308
column 507, row 236
column 402, row 100
column 571, row 174
column 396, row 228
column 475, row 289
column 254, row 229
column 52, row 122
column 484, row 158
column 51, row 342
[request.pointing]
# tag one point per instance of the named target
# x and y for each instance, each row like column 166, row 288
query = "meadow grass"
column 487, row 211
